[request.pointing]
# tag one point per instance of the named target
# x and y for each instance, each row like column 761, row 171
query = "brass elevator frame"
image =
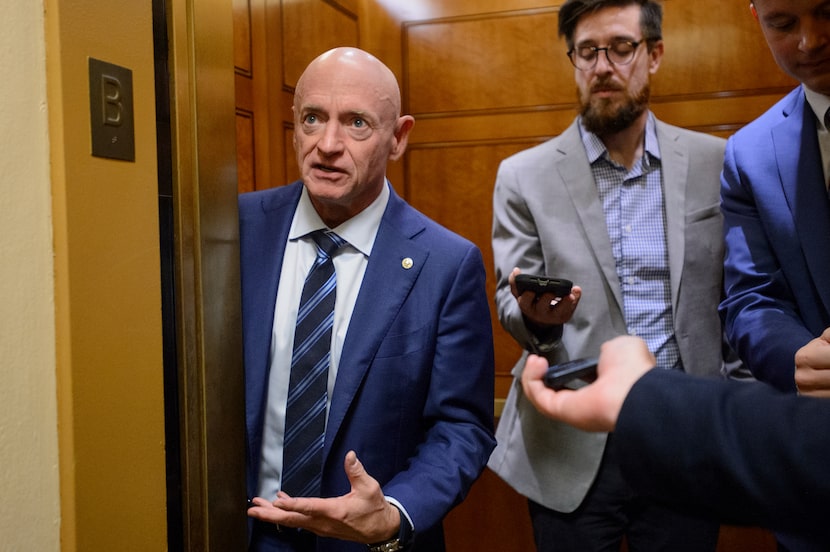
column 207, row 283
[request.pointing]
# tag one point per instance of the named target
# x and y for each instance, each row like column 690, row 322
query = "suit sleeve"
column 743, row 453
column 516, row 243
column 458, row 414
column 761, row 318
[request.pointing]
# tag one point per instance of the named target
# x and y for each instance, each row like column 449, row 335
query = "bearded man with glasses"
column 627, row 207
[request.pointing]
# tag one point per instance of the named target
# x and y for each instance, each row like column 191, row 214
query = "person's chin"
column 815, row 77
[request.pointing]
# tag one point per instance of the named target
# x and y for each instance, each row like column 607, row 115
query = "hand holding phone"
column 540, row 285
column 559, row 375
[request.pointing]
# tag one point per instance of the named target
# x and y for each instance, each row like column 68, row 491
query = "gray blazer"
column 548, row 219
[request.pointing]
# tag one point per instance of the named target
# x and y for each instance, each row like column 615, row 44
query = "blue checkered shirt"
column 636, row 220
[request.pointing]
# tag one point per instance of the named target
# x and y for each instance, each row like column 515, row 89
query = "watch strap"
column 398, row 543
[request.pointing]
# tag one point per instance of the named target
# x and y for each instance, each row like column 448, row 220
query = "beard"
column 607, row 116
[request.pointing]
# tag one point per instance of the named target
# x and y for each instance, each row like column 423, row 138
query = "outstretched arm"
column 741, row 453
column 594, row 407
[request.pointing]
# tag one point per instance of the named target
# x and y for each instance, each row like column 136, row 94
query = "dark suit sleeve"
column 742, row 453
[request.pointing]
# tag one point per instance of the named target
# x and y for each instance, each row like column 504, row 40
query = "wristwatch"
column 398, row 543
column 388, row 546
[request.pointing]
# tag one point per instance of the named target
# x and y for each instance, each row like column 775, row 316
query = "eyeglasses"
column 619, row 52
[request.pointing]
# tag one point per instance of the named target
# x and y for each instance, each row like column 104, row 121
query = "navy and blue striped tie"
column 305, row 415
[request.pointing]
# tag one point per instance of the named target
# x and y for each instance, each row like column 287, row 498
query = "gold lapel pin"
column 407, row 263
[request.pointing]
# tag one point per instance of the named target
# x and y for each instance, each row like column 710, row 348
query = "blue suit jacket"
column 414, row 390
column 777, row 228
column 733, row 460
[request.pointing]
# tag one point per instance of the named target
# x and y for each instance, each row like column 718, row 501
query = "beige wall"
column 80, row 331
column 107, row 288
column 29, row 496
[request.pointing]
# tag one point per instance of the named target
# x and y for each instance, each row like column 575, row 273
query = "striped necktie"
column 305, row 415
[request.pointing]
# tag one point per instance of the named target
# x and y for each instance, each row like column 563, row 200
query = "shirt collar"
column 359, row 231
column 820, row 104
column 596, row 149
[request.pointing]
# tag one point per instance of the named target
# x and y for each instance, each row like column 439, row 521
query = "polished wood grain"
column 253, row 69
column 245, row 154
column 485, row 62
column 311, row 28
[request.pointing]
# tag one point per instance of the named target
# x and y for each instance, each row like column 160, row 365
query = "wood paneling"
column 487, row 62
column 245, row 154
column 311, row 28
column 292, row 169
column 242, row 45
column 493, row 518
column 251, row 82
column 714, row 48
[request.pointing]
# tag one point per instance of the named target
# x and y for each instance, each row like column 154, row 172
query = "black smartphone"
column 559, row 375
column 543, row 284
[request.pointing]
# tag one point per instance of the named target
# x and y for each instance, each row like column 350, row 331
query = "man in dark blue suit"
column 776, row 209
column 729, row 451
column 410, row 382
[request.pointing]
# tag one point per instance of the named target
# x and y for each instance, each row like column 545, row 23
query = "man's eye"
column 359, row 123
column 622, row 48
column 586, row 52
column 310, row 119
column 781, row 23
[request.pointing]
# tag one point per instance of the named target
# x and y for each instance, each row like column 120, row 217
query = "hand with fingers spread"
column 362, row 515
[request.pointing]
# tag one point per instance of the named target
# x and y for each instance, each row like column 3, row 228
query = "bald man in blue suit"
column 410, row 392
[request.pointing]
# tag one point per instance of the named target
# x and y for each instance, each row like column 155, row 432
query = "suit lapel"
column 802, row 179
column 575, row 171
column 674, row 159
column 386, row 284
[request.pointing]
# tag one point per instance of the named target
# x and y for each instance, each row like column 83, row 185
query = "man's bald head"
column 347, row 64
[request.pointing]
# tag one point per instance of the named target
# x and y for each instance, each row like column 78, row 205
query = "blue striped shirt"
column 636, row 220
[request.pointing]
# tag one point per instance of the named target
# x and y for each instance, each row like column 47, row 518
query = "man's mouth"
column 816, row 64
column 605, row 87
column 325, row 168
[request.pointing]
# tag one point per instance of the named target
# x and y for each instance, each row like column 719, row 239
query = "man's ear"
column 753, row 10
column 655, row 56
column 402, row 128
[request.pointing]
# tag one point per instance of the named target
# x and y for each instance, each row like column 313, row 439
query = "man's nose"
column 332, row 139
column 814, row 35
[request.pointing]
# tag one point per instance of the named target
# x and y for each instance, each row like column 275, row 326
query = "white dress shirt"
column 820, row 104
column 300, row 253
